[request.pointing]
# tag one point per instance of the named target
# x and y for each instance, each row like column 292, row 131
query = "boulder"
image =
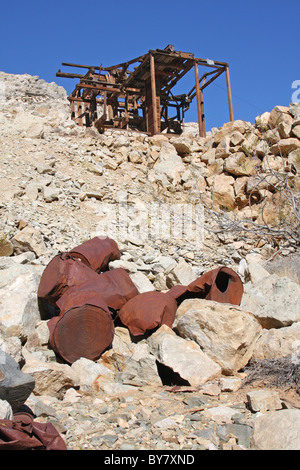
column 240, row 165
column 131, row 362
column 15, row 385
column 277, row 430
column 169, row 163
column 223, row 192
column 226, row 333
column 18, row 299
column 183, row 357
column 284, row 146
column 278, row 342
column 51, row 378
column 275, row 301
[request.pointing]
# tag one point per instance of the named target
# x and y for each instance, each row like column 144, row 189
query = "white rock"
column 142, row 283
column 278, row 430
column 275, row 301
column 6, row 411
column 225, row 332
column 182, row 356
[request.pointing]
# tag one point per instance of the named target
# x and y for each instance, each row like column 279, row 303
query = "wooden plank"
column 153, row 94
column 229, row 94
column 198, row 97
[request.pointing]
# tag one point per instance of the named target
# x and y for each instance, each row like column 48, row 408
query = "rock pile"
column 182, row 386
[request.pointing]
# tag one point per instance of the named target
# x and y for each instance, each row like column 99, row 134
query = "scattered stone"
column 264, row 400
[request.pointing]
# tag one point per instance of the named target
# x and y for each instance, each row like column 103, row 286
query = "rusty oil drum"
column 221, row 285
column 81, row 331
column 97, row 252
column 147, row 311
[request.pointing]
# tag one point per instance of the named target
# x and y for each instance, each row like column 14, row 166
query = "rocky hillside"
column 62, row 185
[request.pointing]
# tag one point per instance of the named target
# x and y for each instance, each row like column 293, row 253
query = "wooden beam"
column 153, row 94
column 198, row 97
column 229, row 94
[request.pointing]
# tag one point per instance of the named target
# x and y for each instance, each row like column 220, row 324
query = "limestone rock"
column 284, row 146
column 223, row 192
column 19, row 311
column 29, row 239
column 274, row 301
column 226, row 333
column 182, row 274
column 183, row 357
column 278, row 342
column 51, row 378
column 6, row 247
column 86, row 372
column 240, row 165
column 169, row 163
column 264, row 400
column 131, row 362
column 141, row 281
column 6, row 411
column 276, row 114
column 15, row 385
column 278, row 430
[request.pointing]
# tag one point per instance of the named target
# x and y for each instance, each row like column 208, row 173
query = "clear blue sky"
column 259, row 39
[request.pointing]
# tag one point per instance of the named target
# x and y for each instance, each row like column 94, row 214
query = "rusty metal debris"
column 23, row 433
column 85, row 299
column 139, row 94
column 147, row 311
column 221, row 285
column 81, row 331
column 97, row 253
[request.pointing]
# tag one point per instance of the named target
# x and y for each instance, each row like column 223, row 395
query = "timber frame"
column 141, row 99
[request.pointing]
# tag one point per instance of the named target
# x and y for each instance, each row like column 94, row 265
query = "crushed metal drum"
column 97, row 252
column 24, row 433
column 147, row 311
column 114, row 287
column 221, row 285
column 62, row 273
column 82, row 331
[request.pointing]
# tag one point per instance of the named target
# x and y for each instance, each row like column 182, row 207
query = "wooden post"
column 153, row 93
column 229, row 94
column 198, row 98
column 202, row 114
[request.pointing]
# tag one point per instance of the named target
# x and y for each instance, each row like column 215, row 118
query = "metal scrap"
column 82, row 299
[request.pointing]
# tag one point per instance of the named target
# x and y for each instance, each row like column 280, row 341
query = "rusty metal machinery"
column 137, row 94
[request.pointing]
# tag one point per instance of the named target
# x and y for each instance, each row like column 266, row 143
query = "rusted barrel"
column 221, row 285
column 62, row 273
column 147, row 311
column 97, row 253
column 114, row 287
column 81, row 331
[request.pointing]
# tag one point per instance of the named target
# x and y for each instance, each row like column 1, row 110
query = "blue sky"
column 259, row 39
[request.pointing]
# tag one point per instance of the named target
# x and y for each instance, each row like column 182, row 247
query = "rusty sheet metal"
column 97, row 253
column 114, row 288
column 148, row 311
column 23, row 433
column 81, row 331
column 62, row 273
column 221, row 285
